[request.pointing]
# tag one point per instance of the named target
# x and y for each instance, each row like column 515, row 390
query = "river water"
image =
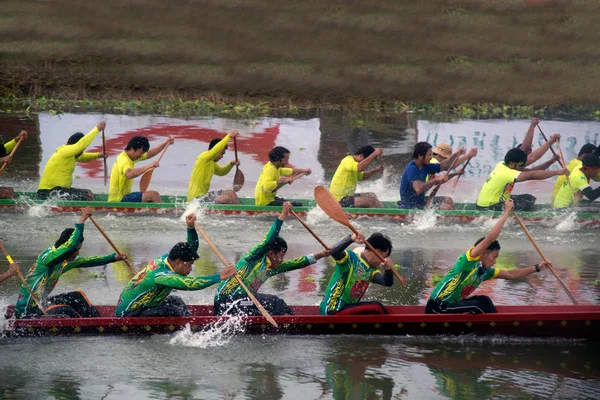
column 221, row 364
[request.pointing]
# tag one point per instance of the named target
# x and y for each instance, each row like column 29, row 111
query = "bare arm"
column 371, row 172
column 540, row 175
column 157, row 149
column 539, row 152
column 494, row 233
column 528, row 140
column 423, row 187
column 367, row 161
column 543, row 166
column 450, row 161
column 135, row 172
column 522, row 272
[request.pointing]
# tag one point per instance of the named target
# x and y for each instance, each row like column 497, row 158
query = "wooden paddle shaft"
column 285, row 183
column 262, row 310
column 460, row 174
column 105, row 154
column 439, row 185
column 543, row 257
column 11, row 153
column 310, row 230
column 235, row 150
column 23, row 281
column 112, row 244
column 551, row 148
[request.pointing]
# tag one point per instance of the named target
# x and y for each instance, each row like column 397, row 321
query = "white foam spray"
column 425, row 220
column 568, row 224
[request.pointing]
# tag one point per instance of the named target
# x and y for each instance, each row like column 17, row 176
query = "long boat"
column 565, row 321
column 465, row 212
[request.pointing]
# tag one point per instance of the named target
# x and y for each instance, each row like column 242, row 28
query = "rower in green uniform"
column 50, row 265
column 57, row 177
column 123, row 171
column 353, row 168
column 353, row 274
column 472, row 268
column 148, row 293
column 578, row 185
column 273, row 174
column 501, row 181
column 205, row 167
column 6, row 148
column 255, row 267
column 575, row 163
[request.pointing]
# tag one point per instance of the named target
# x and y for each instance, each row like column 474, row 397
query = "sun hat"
column 443, row 149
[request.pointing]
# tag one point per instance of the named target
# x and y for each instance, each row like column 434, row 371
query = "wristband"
column 537, row 267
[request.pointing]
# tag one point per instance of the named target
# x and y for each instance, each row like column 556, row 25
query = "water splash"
column 315, row 216
column 425, row 220
column 4, row 322
column 215, row 335
column 193, row 207
column 568, row 224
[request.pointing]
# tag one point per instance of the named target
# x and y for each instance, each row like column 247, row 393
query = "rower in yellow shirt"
column 501, row 181
column 353, row 168
column 273, row 174
column 123, row 171
column 205, row 167
column 6, row 148
column 587, row 148
column 57, row 177
column 579, row 186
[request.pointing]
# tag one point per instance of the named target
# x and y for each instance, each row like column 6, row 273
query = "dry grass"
column 434, row 51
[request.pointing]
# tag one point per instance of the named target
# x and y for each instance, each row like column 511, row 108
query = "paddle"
column 551, row 148
column 543, row 257
column 238, row 179
column 22, row 279
column 310, row 230
column 332, row 207
column 285, row 183
column 435, row 190
column 104, row 150
column 145, row 181
column 11, row 154
column 262, row 310
column 112, row 244
column 460, row 174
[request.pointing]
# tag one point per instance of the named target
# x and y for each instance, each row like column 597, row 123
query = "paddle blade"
column 145, row 181
column 331, row 206
column 238, row 180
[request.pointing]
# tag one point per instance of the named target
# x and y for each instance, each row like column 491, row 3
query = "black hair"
column 76, row 137
column 365, row 151
column 64, row 238
column 2, row 148
column 587, row 148
column 495, row 245
column 277, row 153
column 516, row 156
column 213, row 143
column 138, row 142
column 421, row 149
column 183, row 251
column 277, row 245
column 382, row 242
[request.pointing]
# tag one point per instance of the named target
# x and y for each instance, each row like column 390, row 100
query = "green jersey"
column 255, row 267
column 49, row 266
column 149, row 287
column 348, row 284
column 462, row 280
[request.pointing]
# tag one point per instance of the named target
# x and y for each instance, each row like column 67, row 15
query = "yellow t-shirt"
column 59, row 168
column 574, row 163
column 597, row 177
column 344, row 180
column 579, row 181
column 429, row 176
column 498, row 186
column 204, row 169
column 267, row 181
column 120, row 185
column 9, row 146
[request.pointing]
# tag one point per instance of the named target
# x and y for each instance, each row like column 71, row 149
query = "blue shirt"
column 408, row 197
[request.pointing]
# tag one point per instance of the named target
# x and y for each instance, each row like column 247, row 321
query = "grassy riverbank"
column 246, row 57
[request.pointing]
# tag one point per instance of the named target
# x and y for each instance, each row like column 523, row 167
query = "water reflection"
column 262, row 382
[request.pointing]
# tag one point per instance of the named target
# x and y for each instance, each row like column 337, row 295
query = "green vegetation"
column 248, row 58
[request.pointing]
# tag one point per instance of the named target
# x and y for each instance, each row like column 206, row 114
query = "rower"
column 353, row 168
column 255, row 267
column 353, row 273
column 123, row 171
column 50, row 265
column 471, row 269
column 205, row 167
column 57, row 177
column 578, row 185
column 7, row 192
column 501, row 181
column 148, row 294
column 273, row 174
column 12, row 269
column 413, row 184
column 587, row 148
column 442, row 152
